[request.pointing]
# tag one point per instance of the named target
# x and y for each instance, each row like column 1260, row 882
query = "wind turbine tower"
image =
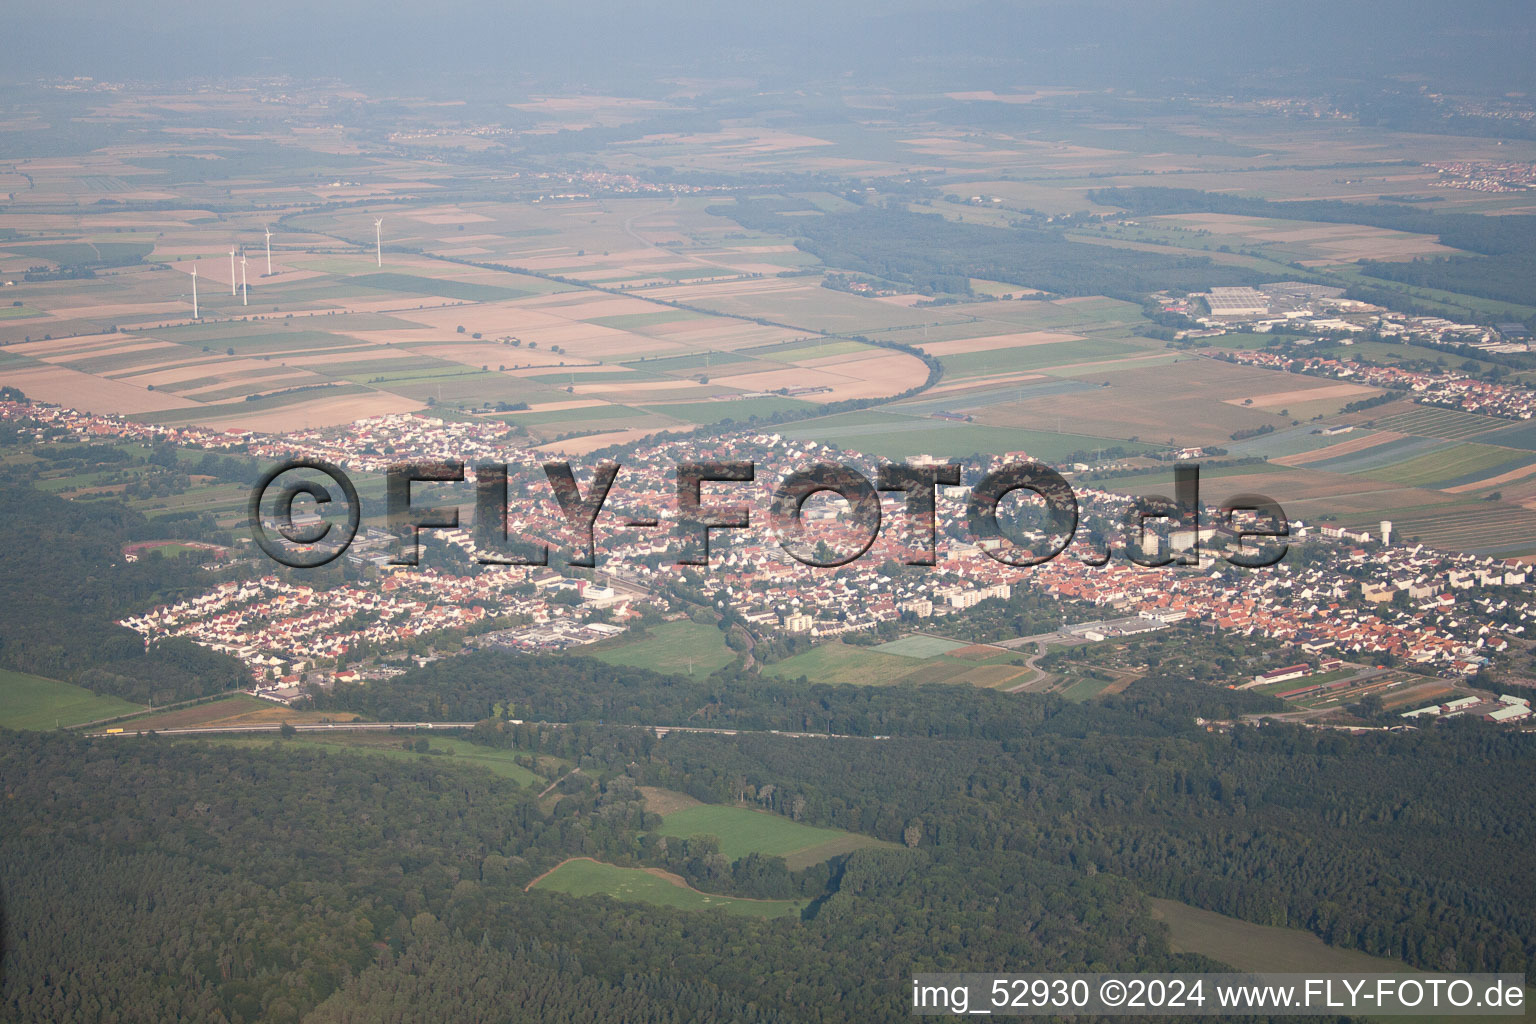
column 378, row 239
column 245, row 289
column 231, row 271
column 269, row 252
column 194, row 291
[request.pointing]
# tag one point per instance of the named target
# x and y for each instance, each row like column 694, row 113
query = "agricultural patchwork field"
column 587, row 322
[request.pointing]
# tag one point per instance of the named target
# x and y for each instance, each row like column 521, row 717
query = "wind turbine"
column 245, row 289
column 194, row 291
column 269, row 252
column 231, row 271
column 378, row 239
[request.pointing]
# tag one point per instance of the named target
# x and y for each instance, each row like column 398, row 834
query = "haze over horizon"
column 1206, row 44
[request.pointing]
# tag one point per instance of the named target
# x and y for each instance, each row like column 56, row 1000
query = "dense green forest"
column 930, row 253
column 1504, row 270
column 66, row 583
column 1356, row 838
column 146, row 880
column 157, row 879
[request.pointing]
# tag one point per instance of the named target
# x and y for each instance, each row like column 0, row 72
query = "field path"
column 552, row 785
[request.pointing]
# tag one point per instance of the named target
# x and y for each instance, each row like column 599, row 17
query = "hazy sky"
column 1036, row 40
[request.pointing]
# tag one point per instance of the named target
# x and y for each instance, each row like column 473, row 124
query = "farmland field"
column 892, row 436
column 841, row 663
column 837, row 662
column 585, row 877
column 1450, row 424
column 916, row 645
column 1035, row 357
column 1453, row 466
column 33, row 702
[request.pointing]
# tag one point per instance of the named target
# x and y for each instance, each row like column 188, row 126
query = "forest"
column 64, row 585
column 157, row 879
column 1276, row 825
column 931, row 254
column 149, row 880
column 1505, row 268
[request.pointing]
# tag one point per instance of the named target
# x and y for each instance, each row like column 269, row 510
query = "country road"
column 323, row 727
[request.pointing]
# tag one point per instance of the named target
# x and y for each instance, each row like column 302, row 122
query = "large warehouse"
column 1237, row 302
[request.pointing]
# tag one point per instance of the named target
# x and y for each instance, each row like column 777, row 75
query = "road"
column 297, row 727
column 324, row 727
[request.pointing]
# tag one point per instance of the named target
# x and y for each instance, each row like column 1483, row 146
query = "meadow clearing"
column 582, row 876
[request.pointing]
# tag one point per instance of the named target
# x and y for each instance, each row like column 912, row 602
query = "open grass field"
column 1253, row 947
column 916, row 645
column 846, row 664
column 585, row 877
column 742, row 831
column 448, row 751
column 33, row 702
column 1086, row 689
column 683, row 646
column 1245, row 946
column 835, row 662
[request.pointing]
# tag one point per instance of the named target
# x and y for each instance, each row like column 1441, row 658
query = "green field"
column 32, row 702
column 1451, row 466
column 849, row 665
column 578, row 416
column 1450, row 424
column 443, row 750
column 810, row 350
column 917, row 645
column 682, row 646
column 1256, row 947
column 1035, row 357
column 893, row 436
column 1261, row 948
column 842, row 663
column 739, row 411
column 636, row 885
column 742, row 831
column 411, row 284
column 1086, row 689
column 634, row 321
